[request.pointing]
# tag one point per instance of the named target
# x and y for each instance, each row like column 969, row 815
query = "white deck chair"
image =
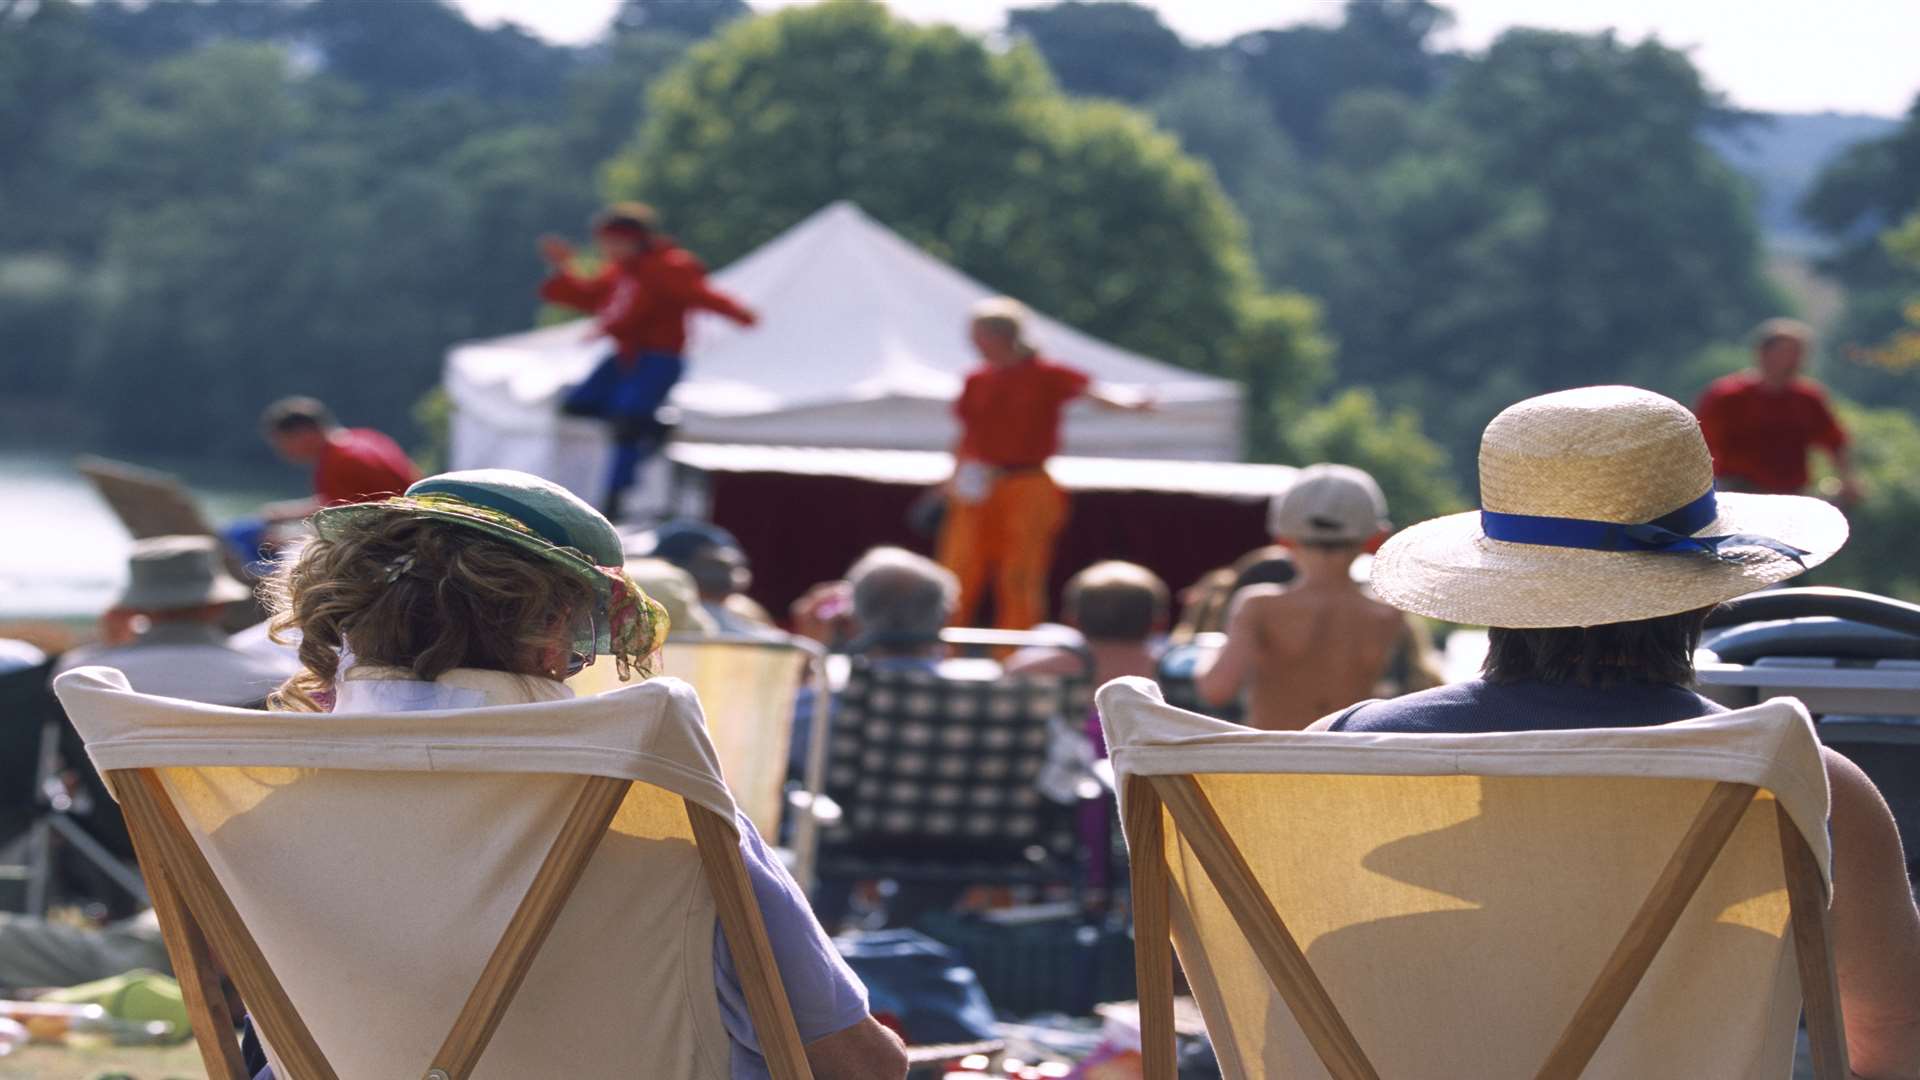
column 1637, row 903
column 747, row 687
column 397, row 894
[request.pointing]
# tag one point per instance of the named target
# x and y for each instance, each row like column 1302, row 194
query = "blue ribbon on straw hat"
column 1671, row 532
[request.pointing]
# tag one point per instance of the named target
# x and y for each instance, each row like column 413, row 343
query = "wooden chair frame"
column 1327, row 1032
column 204, row 936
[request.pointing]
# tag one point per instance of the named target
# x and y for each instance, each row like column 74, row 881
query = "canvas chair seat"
column 1414, row 906
column 383, row 865
column 747, row 687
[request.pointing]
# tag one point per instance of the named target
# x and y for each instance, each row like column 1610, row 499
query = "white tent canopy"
column 861, row 343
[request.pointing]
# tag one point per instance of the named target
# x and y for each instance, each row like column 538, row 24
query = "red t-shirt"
column 642, row 303
column 361, row 465
column 1760, row 435
column 1010, row 417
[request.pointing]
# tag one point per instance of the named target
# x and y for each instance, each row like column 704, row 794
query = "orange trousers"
column 1009, row 537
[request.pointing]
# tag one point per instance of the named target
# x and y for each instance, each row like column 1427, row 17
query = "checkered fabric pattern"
column 935, row 778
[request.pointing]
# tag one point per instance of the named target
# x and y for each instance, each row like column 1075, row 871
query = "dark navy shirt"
column 1481, row 706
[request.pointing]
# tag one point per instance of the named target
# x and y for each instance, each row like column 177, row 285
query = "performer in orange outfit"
column 1003, row 510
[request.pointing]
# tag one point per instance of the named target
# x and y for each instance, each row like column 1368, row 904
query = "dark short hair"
column 1270, row 565
column 1116, row 601
column 1644, row 651
column 627, row 217
column 291, row 414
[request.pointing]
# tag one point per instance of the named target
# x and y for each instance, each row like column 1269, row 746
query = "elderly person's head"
column 1601, row 543
column 901, row 600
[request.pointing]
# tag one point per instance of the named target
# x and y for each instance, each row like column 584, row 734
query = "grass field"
column 140, row 1063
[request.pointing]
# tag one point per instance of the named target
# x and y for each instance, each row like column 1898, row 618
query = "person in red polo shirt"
column 1003, row 510
column 350, row 465
column 1760, row 424
column 640, row 299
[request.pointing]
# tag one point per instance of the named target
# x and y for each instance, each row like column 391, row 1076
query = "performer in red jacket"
column 639, row 300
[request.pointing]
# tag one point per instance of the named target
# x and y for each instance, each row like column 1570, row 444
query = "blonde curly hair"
column 420, row 594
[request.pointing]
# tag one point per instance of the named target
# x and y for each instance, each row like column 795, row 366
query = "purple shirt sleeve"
column 825, row 993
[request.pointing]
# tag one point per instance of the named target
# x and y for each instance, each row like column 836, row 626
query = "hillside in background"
column 1781, row 154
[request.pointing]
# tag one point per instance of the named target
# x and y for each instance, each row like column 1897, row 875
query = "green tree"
column 1885, row 449
column 1103, row 48
column 1553, row 220
column 1352, row 429
column 693, row 19
column 1861, row 201
column 1218, row 120
column 1300, row 71
column 1081, row 209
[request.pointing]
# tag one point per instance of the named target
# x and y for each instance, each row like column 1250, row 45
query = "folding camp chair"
column 747, row 687
column 1629, row 903
column 936, row 778
column 397, row 894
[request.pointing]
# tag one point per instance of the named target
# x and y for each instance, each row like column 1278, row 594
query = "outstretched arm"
column 567, row 287
column 1108, row 397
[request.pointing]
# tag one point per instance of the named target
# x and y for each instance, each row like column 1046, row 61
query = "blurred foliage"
column 211, row 203
column 1868, row 201
column 1412, row 470
column 1081, row 209
column 1105, row 48
column 1885, row 452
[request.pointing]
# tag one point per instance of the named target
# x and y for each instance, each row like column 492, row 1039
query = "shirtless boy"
column 1319, row 643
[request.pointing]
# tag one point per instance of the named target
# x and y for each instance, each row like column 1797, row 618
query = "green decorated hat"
column 548, row 522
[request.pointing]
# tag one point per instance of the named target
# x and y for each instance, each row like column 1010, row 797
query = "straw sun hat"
column 1599, row 507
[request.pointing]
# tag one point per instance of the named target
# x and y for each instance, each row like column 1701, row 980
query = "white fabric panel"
column 376, row 858
column 1458, row 894
column 862, row 342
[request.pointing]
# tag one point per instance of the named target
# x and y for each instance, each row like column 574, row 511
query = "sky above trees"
column 1771, row 55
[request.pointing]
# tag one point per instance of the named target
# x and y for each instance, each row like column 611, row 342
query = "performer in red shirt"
column 350, row 465
column 1003, row 510
column 639, row 300
column 1760, row 424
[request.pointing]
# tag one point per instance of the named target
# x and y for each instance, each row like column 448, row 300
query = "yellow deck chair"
column 1634, row 904
column 747, row 688
column 397, row 895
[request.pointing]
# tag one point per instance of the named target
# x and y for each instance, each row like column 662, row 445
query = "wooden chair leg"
column 1152, row 951
column 1272, row 942
column 144, row 799
column 746, row 932
column 194, row 966
column 1813, row 949
column 1726, row 804
column 527, row 930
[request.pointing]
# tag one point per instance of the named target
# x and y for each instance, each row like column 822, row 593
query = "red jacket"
column 642, row 302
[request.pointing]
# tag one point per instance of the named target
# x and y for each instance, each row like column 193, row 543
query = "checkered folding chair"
column 937, row 778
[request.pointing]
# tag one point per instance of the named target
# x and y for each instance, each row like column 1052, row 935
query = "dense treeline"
column 210, row 203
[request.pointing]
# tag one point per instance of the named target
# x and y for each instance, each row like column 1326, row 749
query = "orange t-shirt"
column 1010, row 417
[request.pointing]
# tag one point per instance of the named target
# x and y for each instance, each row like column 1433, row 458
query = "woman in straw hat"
column 1600, row 548
column 489, row 587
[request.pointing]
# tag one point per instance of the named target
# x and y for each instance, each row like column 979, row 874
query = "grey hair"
column 899, row 594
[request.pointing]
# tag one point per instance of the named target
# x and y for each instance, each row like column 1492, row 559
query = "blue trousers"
column 627, row 396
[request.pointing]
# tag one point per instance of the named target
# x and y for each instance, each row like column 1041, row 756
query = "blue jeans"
column 628, row 397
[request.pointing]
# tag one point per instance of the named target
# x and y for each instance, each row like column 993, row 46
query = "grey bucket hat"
column 174, row 573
